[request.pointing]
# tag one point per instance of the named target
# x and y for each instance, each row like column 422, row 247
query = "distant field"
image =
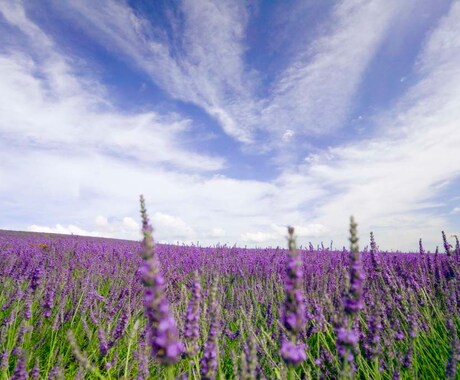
column 77, row 307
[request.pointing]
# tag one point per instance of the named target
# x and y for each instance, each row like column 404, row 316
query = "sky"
column 234, row 118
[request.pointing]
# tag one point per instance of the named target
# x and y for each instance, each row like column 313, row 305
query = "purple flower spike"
column 192, row 318
column 454, row 351
column 293, row 353
column 420, row 247
column 36, row 278
column 35, row 372
column 48, row 303
column 347, row 334
column 103, row 345
column 163, row 334
column 121, row 327
column 293, row 316
column 447, row 246
column 374, row 258
column 353, row 302
column 20, row 372
column 208, row 363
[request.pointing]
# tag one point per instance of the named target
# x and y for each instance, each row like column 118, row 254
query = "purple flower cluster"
column 293, row 314
column 353, row 302
column 454, row 351
column 48, row 302
column 347, row 334
column 208, row 362
column 374, row 257
column 163, row 333
column 192, row 318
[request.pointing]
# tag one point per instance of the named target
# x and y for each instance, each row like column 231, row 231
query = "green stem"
column 169, row 372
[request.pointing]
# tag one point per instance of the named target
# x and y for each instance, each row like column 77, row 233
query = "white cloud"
column 59, row 229
column 172, row 227
column 101, row 221
column 455, row 210
column 390, row 181
column 288, row 135
column 45, row 104
column 315, row 93
column 131, row 223
column 257, row 237
column 218, row 233
column 201, row 63
column 276, row 234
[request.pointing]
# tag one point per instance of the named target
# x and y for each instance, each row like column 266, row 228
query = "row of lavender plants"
column 87, row 308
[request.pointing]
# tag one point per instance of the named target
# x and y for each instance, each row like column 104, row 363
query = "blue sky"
column 233, row 118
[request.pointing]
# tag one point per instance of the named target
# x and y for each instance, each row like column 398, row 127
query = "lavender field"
column 75, row 307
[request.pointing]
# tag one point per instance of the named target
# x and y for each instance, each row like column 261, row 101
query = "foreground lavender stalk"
column 20, row 372
column 374, row 259
column 293, row 316
column 347, row 334
column 353, row 301
column 209, row 363
column 192, row 323
column 163, row 334
column 454, row 351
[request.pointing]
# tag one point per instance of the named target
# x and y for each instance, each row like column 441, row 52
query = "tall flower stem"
column 293, row 316
column 161, row 325
column 347, row 336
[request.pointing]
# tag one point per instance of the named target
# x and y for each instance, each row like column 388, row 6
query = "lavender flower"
column 164, row 337
column 103, row 345
column 4, row 358
column 447, row 246
column 293, row 353
column 20, row 372
column 347, row 339
column 121, row 327
column 208, row 362
column 77, row 353
column 420, row 247
column 36, row 278
column 48, row 303
column 353, row 301
column 192, row 318
column 374, row 259
column 35, row 372
column 28, row 307
column 347, row 334
column 450, row 274
column 250, row 355
column 293, row 315
column 372, row 343
column 457, row 246
column 454, row 351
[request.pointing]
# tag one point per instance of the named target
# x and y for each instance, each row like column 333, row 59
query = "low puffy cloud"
column 65, row 230
column 218, row 233
column 125, row 228
column 171, row 227
column 455, row 210
column 276, row 234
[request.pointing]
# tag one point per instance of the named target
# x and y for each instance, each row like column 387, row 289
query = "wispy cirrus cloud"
column 46, row 104
column 390, row 182
column 202, row 61
column 316, row 92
